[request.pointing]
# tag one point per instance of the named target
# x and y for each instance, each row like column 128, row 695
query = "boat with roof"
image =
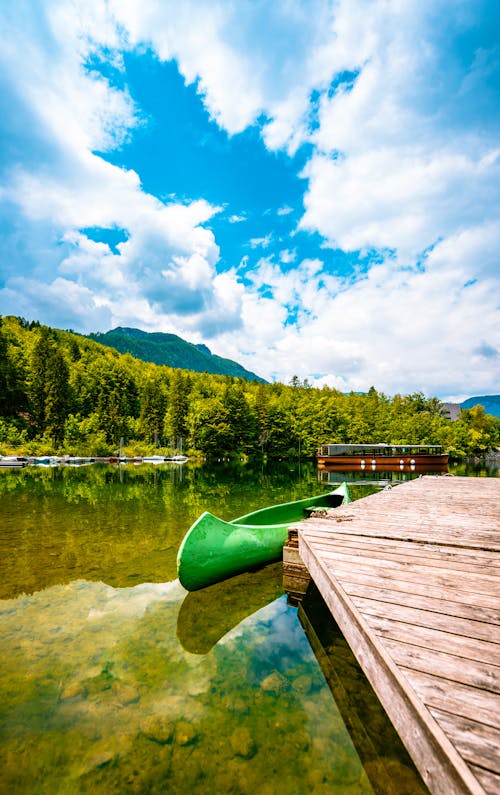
column 381, row 456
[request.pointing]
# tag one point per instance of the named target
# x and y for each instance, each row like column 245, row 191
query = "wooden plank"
column 405, row 497
column 489, row 780
column 440, row 555
column 426, row 601
column 411, row 563
column 450, row 536
column 410, row 573
column 428, row 508
column 427, row 618
column 456, row 698
column 399, row 519
column 477, row 743
column 445, row 665
column 442, row 587
column 353, row 579
column 478, row 650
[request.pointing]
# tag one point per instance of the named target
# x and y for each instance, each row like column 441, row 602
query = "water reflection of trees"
column 121, row 524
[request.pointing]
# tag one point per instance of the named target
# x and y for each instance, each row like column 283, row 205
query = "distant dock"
column 412, row 577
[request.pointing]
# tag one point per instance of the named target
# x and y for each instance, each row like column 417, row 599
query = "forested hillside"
column 61, row 392
column 171, row 350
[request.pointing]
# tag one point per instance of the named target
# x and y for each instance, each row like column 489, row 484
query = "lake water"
column 113, row 679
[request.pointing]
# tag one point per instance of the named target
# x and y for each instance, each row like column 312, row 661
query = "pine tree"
column 39, row 369
column 153, row 408
column 10, row 393
column 58, row 402
column 176, row 418
column 49, row 389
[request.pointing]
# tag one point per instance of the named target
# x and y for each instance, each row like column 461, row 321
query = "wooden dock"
column 412, row 577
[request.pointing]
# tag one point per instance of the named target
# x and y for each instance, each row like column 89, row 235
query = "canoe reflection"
column 210, row 613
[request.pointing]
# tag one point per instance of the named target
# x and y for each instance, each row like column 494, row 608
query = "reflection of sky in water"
column 95, row 685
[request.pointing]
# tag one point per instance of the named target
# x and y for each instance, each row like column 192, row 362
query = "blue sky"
column 309, row 188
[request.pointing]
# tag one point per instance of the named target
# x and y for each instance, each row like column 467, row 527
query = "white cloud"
column 288, row 255
column 404, row 199
column 400, row 159
column 247, row 59
column 74, row 305
column 261, row 242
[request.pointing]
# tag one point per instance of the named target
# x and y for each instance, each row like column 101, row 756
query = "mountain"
column 490, row 403
column 171, row 350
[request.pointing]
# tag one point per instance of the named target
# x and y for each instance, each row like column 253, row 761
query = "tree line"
column 63, row 393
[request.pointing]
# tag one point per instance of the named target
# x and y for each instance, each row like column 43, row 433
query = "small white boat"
column 13, row 461
column 154, row 459
column 178, row 459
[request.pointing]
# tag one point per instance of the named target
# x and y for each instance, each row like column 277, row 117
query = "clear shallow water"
column 114, row 680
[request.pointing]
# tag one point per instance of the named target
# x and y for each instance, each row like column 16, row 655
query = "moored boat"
column 381, row 456
column 77, row 461
column 13, row 461
column 214, row 549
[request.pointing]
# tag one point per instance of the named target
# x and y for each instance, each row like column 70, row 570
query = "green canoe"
column 213, row 549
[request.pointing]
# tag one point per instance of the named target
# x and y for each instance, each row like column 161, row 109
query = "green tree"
column 240, row 418
column 117, row 401
column 153, row 399
column 211, row 428
column 281, row 439
column 176, row 419
column 49, row 389
column 58, row 401
column 476, row 432
column 12, row 396
column 262, row 418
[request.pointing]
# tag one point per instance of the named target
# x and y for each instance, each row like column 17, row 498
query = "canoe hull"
column 213, row 549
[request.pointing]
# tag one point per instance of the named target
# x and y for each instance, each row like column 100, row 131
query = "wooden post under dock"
column 412, row 577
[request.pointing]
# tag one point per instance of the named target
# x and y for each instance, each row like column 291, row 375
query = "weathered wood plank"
column 489, row 780
column 454, row 595
column 445, row 588
column 420, row 565
column 437, row 601
column 400, row 532
column 427, row 618
column 450, row 536
column 467, row 648
column 445, row 665
column 477, row 743
column 439, row 555
column 411, row 573
column 401, row 523
column 456, row 698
